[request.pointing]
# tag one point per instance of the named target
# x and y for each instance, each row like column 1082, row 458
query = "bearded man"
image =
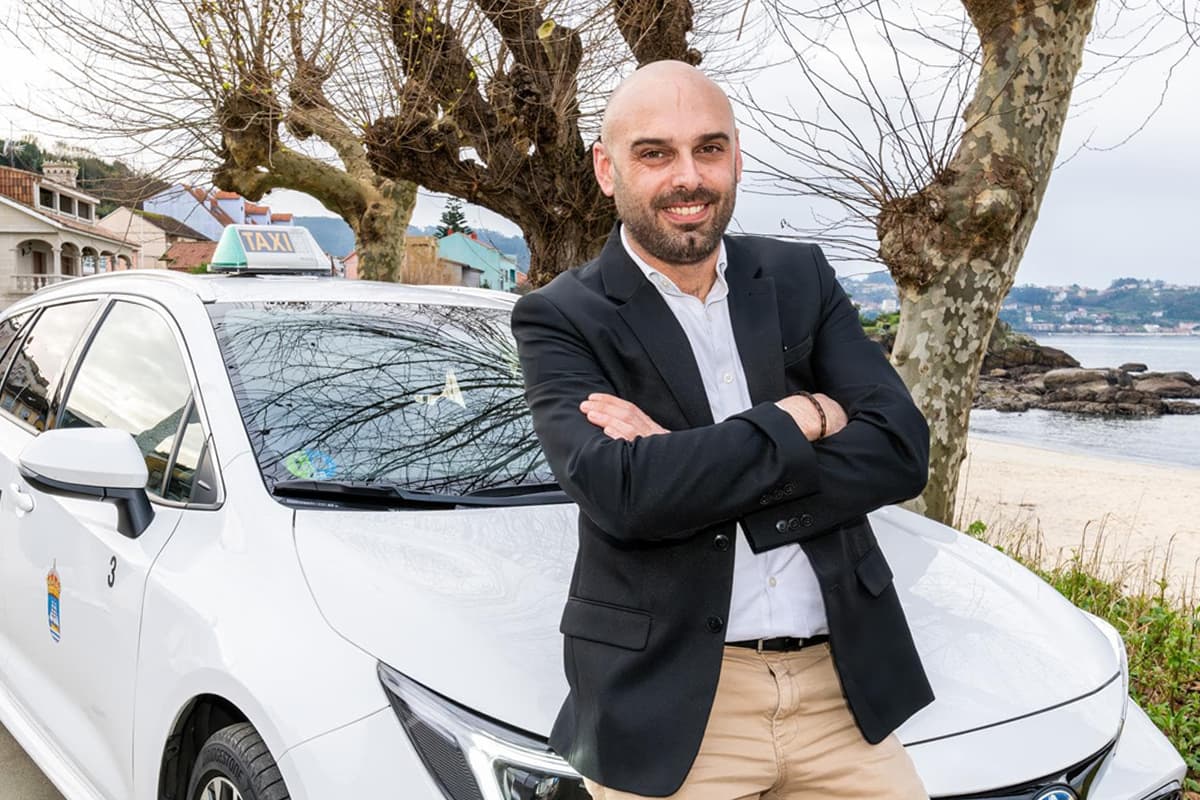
column 712, row 405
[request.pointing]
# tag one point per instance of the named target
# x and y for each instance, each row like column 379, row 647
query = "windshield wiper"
column 385, row 495
column 524, row 489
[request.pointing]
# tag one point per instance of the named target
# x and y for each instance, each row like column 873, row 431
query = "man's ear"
column 737, row 159
column 603, row 167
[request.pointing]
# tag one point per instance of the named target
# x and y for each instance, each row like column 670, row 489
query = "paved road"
column 19, row 778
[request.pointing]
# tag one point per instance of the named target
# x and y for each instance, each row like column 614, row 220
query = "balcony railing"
column 28, row 283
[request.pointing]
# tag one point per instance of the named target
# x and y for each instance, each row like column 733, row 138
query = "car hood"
column 468, row 601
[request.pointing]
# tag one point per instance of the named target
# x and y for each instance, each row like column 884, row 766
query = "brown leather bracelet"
column 820, row 411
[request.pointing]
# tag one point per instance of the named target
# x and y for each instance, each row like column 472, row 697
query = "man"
column 732, row 630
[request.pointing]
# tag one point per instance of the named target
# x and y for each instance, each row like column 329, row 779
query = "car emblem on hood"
column 1058, row 793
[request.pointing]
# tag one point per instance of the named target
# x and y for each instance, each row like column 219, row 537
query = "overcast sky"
column 1133, row 211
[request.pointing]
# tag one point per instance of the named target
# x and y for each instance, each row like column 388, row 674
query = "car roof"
column 167, row 285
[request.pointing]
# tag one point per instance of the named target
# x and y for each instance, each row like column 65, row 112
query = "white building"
column 49, row 231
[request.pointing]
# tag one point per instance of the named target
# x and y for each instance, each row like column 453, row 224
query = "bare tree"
column 357, row 102
column 928, row 145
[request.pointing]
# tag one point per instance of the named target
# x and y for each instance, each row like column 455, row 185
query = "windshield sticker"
column 53, row 595
column 450, row 392
column 310, row 464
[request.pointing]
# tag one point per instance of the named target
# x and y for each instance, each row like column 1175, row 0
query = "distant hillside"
column 113, row 182
column 1128, row 304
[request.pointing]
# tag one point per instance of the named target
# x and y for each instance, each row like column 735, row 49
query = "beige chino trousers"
column 780, row 729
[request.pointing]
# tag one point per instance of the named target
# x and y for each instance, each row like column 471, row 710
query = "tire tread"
column 243, row 742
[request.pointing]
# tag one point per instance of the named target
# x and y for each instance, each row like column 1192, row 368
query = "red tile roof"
column 254, row 208
column 184, row 256
column 17, row 184
column 281, row 218
column 226, row 195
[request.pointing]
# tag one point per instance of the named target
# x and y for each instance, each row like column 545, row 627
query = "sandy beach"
column 1124, row 514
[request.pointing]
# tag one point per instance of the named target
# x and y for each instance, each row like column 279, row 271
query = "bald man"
column 712, row 405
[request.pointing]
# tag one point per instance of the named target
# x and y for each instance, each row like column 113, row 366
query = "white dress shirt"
column 775, row 593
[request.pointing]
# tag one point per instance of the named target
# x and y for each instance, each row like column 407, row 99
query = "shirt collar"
column 667, row 286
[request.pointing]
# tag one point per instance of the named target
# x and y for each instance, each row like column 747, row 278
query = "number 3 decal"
column 112, row 575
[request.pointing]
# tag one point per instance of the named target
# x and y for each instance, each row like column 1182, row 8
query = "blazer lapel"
column 656, row 328
column 754, row 314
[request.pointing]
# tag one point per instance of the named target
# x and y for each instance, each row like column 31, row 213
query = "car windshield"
column 422, row 397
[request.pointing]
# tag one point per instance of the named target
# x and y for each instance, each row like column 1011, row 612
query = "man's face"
column 671, row 162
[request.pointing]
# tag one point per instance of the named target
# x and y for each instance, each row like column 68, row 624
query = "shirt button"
column 727, row 377
column 771, row 580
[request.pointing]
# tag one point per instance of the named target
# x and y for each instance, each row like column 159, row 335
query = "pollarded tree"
column 359, row 102
column 937, row 155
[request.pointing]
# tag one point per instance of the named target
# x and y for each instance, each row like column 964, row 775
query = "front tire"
column 235, row 764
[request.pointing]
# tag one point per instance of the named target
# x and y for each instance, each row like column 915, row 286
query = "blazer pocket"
column 797, row 351
column 606, row 623
column 874, row 572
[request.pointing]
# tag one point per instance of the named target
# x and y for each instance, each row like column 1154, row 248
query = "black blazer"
column 644, row 623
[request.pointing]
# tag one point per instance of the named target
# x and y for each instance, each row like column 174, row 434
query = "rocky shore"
column 1019, row 374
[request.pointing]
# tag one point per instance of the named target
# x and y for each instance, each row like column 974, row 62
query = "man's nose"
column 687, row 172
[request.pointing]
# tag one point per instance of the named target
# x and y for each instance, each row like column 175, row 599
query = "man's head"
column 669, row 157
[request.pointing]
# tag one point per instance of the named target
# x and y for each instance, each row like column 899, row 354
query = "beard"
column 676, row 244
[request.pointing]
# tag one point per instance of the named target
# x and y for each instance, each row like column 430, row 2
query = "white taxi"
column 268, row 536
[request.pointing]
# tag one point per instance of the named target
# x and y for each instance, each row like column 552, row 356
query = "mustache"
column 687, row 198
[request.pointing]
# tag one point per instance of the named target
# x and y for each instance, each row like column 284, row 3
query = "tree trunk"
column 381, row 231
column 954, row 246
column 556, row 248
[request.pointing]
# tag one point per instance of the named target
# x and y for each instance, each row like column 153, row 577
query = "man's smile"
column 687, row 213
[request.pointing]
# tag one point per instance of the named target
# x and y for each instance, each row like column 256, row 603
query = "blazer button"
column 794, row 524
column 781, row 526
column 721, row 541
column 762, row 501
column 787, row 488
column 806, row 520
column 716, row 624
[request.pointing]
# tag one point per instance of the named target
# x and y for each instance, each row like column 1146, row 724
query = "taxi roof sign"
column 268, row 248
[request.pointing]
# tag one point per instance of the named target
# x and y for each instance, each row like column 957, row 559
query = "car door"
column 32, row 368
column 75, row 580
column 10, row 341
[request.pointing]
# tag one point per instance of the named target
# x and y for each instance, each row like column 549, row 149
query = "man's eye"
column 653, row 154
column 711, row 149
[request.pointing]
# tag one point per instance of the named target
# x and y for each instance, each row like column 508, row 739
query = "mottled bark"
column 954, row 247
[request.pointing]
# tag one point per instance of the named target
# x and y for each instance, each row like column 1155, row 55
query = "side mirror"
column 104, row 463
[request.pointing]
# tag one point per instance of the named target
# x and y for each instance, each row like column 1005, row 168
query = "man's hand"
column 619, row 418
column 804, row 412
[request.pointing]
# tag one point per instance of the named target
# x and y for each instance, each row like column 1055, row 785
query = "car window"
column 191, row 450
column 38, row 363
column 132, row 378
column 9, row 329
column 419, row 396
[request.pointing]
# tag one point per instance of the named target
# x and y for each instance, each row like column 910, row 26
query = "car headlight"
column 1118, row 646
column 475, row 758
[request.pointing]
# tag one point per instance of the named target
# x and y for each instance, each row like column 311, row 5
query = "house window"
column 46, row 199
column 85, row 211
column 66, row 204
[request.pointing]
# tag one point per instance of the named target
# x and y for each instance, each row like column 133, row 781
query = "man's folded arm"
column 880, row 457
column 655, row 487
